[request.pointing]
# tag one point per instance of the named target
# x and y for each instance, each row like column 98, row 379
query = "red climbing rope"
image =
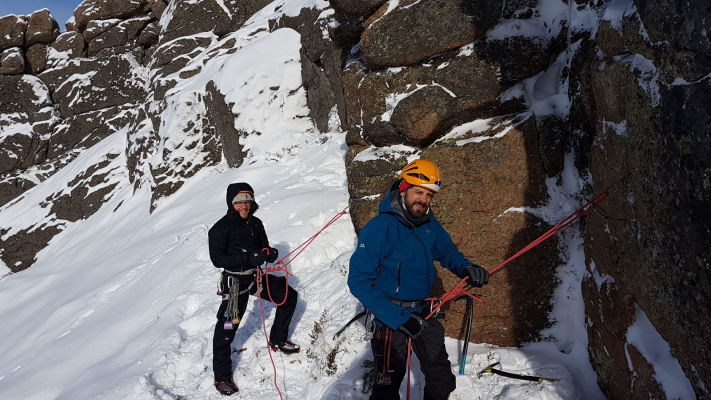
column 458, row 291
column 282, row 266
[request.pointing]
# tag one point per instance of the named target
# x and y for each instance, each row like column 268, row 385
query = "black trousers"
column 434, row 362
column 222, row 339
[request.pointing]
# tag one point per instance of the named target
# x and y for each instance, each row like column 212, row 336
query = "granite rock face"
column 91, row 10
column 416, row 30
column 12, row 62
column 42, row 28
column 12, row 32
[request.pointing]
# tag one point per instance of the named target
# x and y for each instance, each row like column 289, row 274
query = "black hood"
column 233, row 189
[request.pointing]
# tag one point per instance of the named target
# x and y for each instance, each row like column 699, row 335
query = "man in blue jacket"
column 392, row 272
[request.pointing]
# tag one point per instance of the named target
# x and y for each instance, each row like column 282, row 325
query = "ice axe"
column 467, row 336
column 492, row 370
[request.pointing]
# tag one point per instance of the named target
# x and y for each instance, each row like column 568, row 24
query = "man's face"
column 243, row 208
column 417, row 200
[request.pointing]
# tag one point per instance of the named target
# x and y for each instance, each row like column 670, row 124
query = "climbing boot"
column 287, row 347
column 226, row 388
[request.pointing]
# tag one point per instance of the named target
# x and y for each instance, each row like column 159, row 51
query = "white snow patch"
column 620, row 128
column 396, row 151
column 600, row 279
column 642, row 335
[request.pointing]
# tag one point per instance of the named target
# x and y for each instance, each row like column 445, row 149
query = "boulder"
column 12, row 62
column 382, row 103
column 42, row 28
column 96, row 28
column 420, row 114
column 158, row 7
column 69, row 45
column 85, row 85
column 37, row 57
column 90, row 10
column 190, row 17
column 118, row 35
column 12, row 32
column 417, row 30
column 481, row 181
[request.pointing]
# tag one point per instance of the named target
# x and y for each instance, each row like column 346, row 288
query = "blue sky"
column 62, row 10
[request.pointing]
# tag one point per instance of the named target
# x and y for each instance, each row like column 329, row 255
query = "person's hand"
column 271, row 253
column 256, row 258
column 477, row 276
column 414, row 326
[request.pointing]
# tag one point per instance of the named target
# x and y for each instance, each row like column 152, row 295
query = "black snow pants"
column 222, row 339
column 430, row 351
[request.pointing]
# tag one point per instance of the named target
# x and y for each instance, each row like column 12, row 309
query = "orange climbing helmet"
column 422, row 173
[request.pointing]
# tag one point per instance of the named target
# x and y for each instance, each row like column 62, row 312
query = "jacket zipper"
column 398, row 277
column 425, row 249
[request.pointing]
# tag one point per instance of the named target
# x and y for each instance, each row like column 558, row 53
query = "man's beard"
column 417, row 214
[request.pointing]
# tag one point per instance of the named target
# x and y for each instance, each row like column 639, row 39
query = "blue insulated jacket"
column 394, row 259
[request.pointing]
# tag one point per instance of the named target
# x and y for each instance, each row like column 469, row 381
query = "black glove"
column 256, row 258
column 271, row 253
column 477, row 276
column 414, row 326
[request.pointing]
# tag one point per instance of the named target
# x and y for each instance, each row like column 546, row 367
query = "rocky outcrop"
column 124, row 33
column 12, row 62
column 42, row 28
column 191, row 17
column 648, row 254
column 12, row 32
column 441, row 85
column 415, row 30
column 91, row 10
column 37, row 57
column 69, row 45
column 88, row 85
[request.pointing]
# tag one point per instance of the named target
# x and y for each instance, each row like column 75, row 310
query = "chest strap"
column 250, row 271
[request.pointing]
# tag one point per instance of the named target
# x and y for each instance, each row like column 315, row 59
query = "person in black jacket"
column 239, row 245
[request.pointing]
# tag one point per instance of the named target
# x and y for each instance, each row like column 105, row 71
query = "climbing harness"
column 384, row 376
column 490, row 369
column 231, row 315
